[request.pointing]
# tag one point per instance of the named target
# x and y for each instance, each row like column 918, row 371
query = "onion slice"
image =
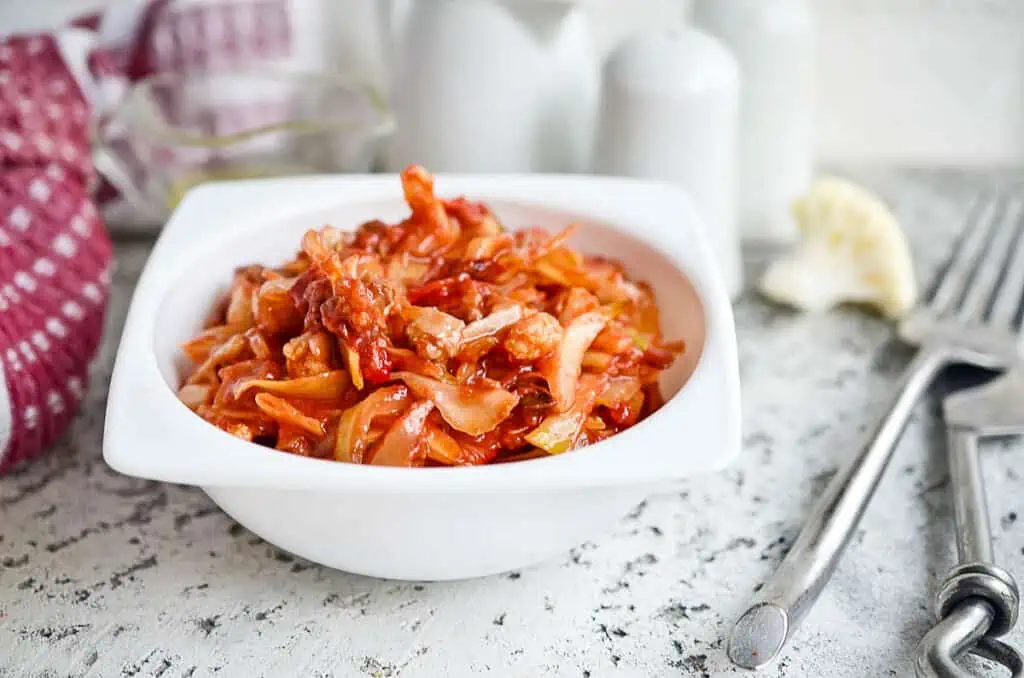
column 326, row 386
column 199, row 348
column 558, row 433
column 194, row 395
column 445, row 449
column 471, row 408
column 401, row 445
column 441, row 447
column 619, row 390
column 354, row 426
column 493, row 323
column 286, row 414
column 230, row 351
column 562, row 370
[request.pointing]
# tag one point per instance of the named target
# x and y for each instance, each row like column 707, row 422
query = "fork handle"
column 970, row 508
column 762, row 631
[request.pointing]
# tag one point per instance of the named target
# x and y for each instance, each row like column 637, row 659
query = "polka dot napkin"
column 55, row 256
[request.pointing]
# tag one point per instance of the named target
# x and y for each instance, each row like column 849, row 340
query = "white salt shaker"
column 774, row 43
column 669, row 111
column 495, row 86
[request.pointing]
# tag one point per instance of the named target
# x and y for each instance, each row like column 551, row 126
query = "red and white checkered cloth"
column 55, row 256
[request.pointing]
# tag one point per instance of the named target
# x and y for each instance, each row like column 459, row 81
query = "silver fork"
column 969, row 318
column 978, row 601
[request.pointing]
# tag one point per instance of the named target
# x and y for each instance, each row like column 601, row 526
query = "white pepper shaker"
column 774, row 43
column 669, row 111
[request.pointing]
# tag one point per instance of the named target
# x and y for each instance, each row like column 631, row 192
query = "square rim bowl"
column 149, row 433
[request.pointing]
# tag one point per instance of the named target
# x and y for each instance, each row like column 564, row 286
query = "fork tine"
column 992, row 264
column 980, row 219
column 1011, row 292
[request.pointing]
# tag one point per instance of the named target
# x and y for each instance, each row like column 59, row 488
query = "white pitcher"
column 495, row 86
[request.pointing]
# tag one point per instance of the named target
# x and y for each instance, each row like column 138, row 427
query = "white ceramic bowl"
column 425, row 523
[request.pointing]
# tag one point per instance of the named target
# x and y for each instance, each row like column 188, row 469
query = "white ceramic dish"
column 436, row 523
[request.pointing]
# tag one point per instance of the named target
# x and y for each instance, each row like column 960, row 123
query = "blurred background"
column 953, row 91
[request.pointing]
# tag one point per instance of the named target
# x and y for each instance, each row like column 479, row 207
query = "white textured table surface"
column 102, row 575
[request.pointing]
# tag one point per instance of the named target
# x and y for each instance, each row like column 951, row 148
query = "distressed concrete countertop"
column 103, row 575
